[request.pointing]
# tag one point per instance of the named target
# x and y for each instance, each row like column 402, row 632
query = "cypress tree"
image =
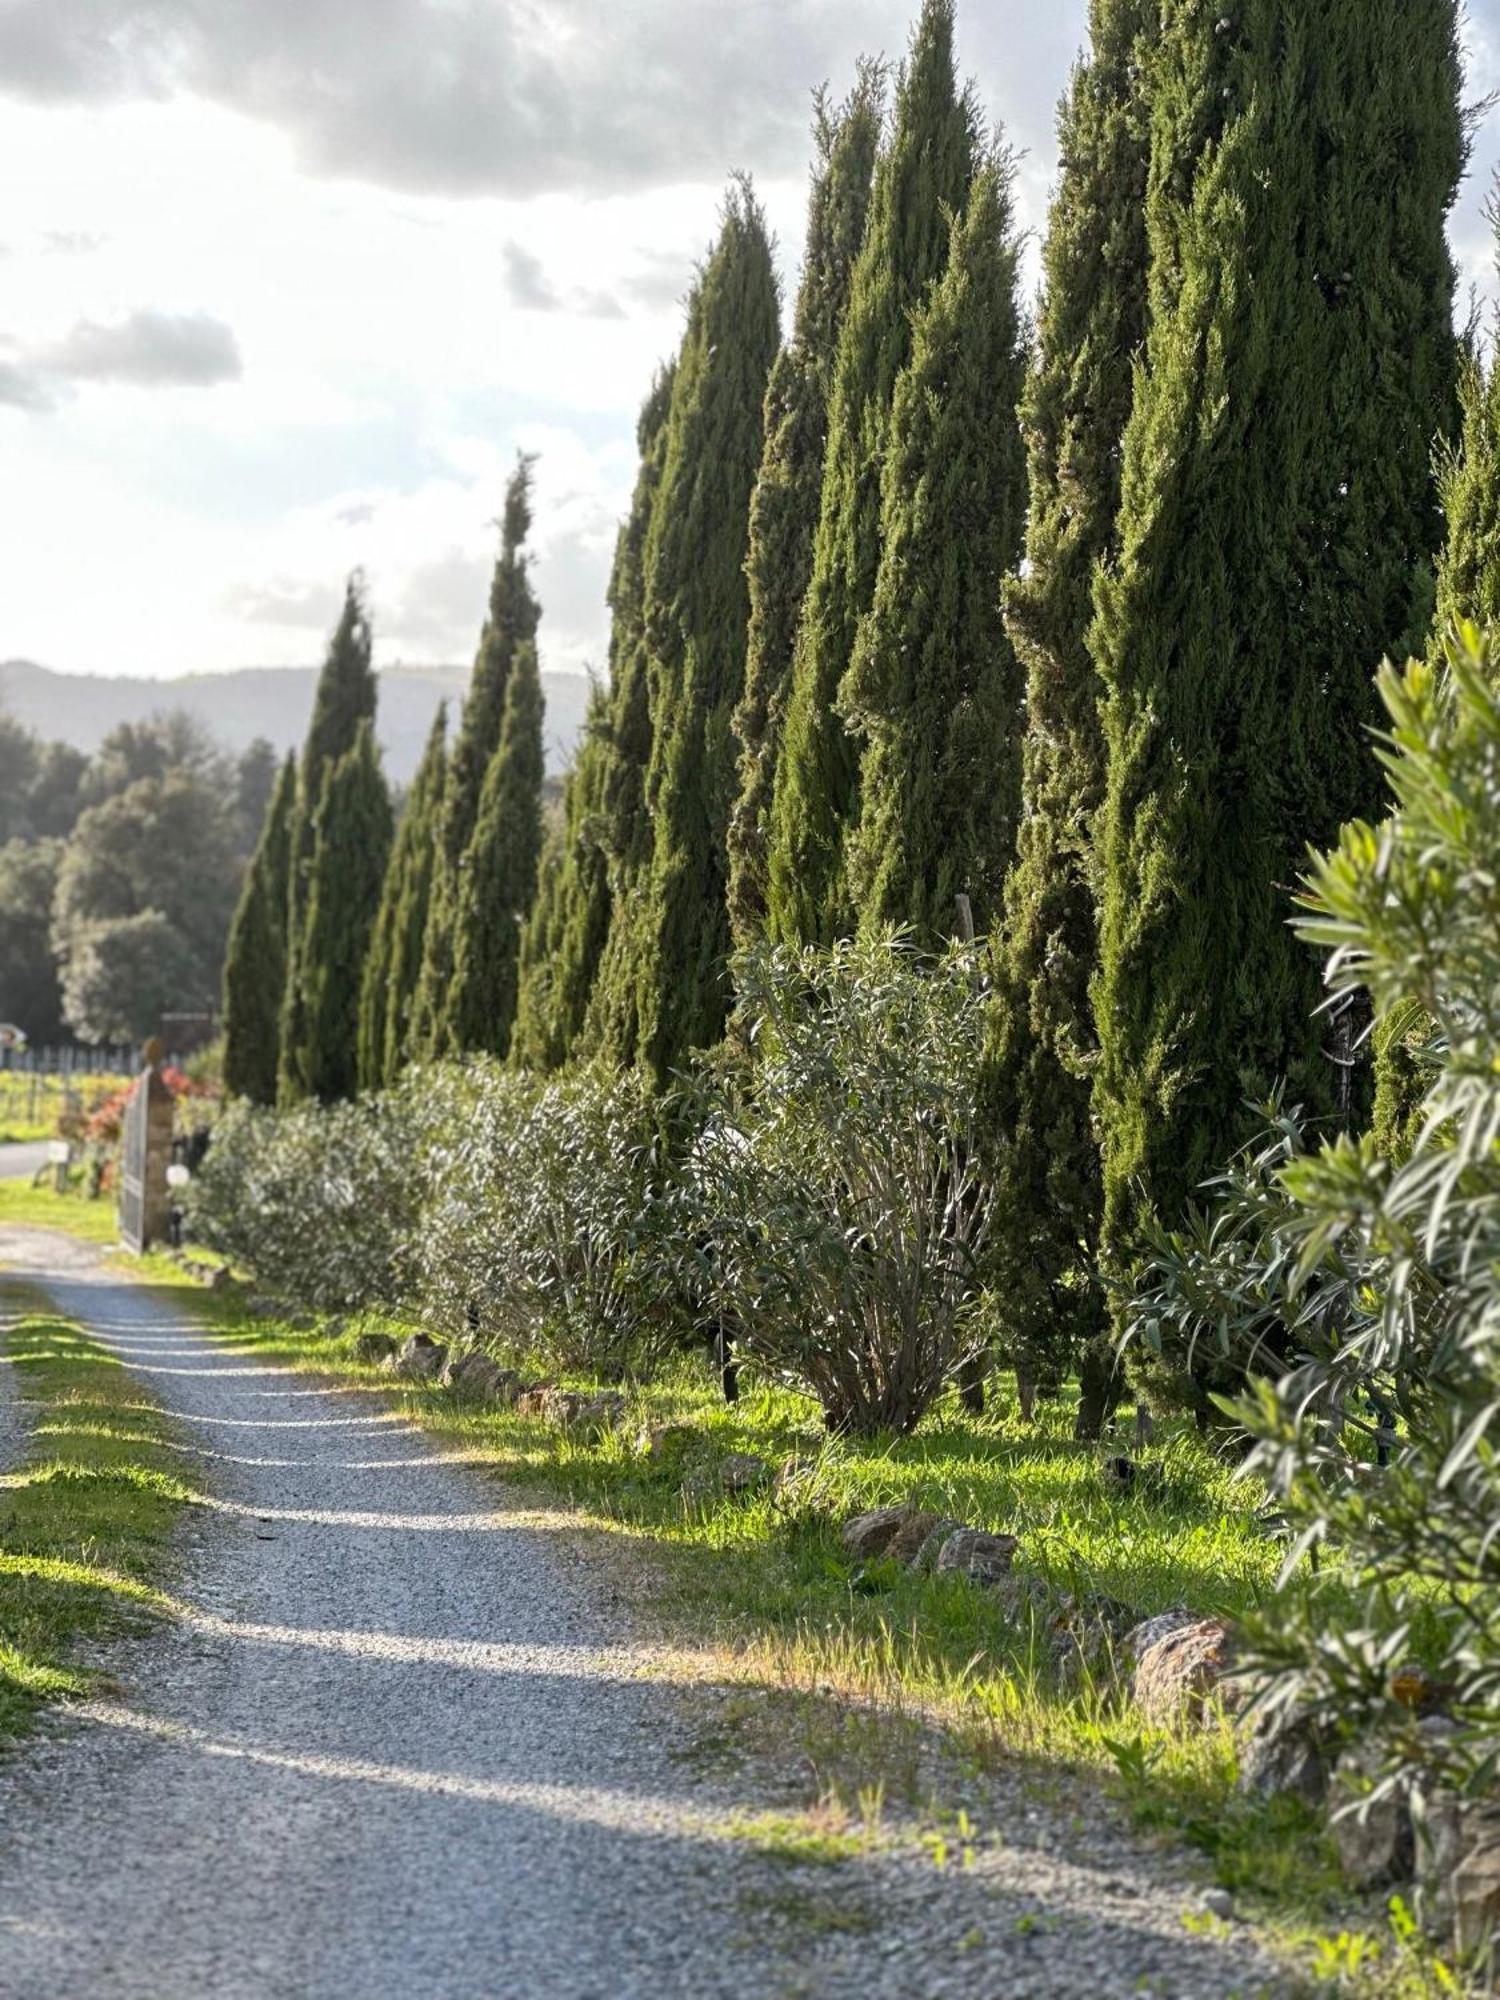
column 622, row 825
column 394, row 963
column 1039, row 1136
column 1277, row 523
column 255, row 963
column 934, row 689
column 564, row 935
column 512, row 623
column 784, row 506
column 351, row 846
column 497, row 880
column 697, row 610
column 343, row 700
column 920, row 179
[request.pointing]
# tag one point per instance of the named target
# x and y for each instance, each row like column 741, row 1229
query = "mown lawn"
column 73, row 1212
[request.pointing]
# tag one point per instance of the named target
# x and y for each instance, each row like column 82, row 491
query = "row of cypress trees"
column 357, row 947
column 929, row 616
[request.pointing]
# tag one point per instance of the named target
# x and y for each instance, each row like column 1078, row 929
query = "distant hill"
column 266, row 701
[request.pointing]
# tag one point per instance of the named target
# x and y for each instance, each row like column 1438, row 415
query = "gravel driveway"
column 401, row 1747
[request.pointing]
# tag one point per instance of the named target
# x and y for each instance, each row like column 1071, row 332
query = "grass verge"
column 85, row 1519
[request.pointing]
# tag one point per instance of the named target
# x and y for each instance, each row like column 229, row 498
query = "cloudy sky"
column 284, row 285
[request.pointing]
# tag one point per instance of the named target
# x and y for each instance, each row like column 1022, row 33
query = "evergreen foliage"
column 394, row 963
column 1468, row 587
column 497, row 881
column 564, row 935
column 255, row 965
column 1277, row 523
column 784, row 505
column 921, row 177
column 1038, row 1131
column 624, row 823
column 351, row 847
column 934, row 689
column 697, row 610
column 343, row 700
column 512, row 623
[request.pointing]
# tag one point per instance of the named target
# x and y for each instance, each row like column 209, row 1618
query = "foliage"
column 841, row 1206
column 320, row 1202
column 352, row 840
column 565, row 932
column 255, row 961
column 1371, row 1287
column 394, row 964
column 343, row 699
column 1037, row 1130
column 514, row 615
column 784, row 504
column 497, row 882
column 550, row 1219
column 921, row 179
column 933, row 689
column 1277, row 516
column 30, row 996
column 674, row 933
column 121, row 974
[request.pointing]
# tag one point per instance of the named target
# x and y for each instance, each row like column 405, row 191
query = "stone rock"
column 980, row 1557
column 942, row 1526
column 869, row 1535
column 1217, row 1903
column 1374, row 1838
column 1476, row 1880
column 420, row 1358
column 1179, row 1672
column 532, row 1399
column 373, row 1347
column 1285, row 1759
column 1141, row 1638
column 742, row 1472
column 479, row 1376
column 577, row 1413
column 1122, row 1474
column 911, row 1537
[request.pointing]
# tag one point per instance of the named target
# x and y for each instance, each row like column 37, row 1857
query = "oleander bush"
column 841, row 1204
column 1365, row 1292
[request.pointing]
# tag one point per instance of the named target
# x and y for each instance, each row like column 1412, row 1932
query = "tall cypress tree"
column 934, row 688
column 351, row 846
column 255, row 962
column 697, row 610
column 497, row 880
column 784, row 506
column 564, row 936
column 921, row 178
column 513, row 618
column 1038, row 1129
column 394, row 963
column 621, row 821
column 343, row 700
column 1277, row 523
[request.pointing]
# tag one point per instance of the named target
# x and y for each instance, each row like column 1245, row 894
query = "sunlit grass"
column 85, row 1518
column 44, row 1208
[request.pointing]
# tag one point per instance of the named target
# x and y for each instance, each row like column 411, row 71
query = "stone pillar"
column 145, row 1153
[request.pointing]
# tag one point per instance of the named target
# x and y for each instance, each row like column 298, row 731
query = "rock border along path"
column 400, row 1746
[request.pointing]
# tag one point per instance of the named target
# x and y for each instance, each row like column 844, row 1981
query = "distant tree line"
column 118, row 875
column 930, row 616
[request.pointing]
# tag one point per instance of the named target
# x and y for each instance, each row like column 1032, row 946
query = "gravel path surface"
column 401, row 1747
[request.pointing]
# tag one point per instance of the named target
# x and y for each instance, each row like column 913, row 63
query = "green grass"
column 96, row 1221
column 86, row 1519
